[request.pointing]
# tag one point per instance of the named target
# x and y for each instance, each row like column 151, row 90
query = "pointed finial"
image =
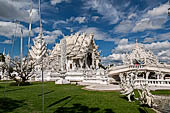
column 4, row 52
column 136, row 42
column 71, row 31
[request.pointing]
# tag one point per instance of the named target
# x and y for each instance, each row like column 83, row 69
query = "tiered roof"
column 39, row 49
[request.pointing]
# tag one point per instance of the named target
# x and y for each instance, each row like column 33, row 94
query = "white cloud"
column 161, row 10
column 95, row 18
column 98, row 35
column 105, row 8
column 80, row 20
column 157, row 37
column 50, row 37
column 36, row 30
column 158, row 46
column 132, row 15
column 16, row 10
column 148, row 39
column 112, row 59
column 148, row 23
column 147, row 20
column 123, row 41
column 7, row 42
column 60, row 22
column 54, row 2
column 124, row 26
column 8, row 29
column 153, row 19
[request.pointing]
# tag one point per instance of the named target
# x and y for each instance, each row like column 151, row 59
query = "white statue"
column 146, row 98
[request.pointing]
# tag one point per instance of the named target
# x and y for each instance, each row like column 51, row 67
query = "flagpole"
column 21, row 49
column 41, row 58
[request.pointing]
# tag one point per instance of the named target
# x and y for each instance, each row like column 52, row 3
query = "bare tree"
column 14, row 70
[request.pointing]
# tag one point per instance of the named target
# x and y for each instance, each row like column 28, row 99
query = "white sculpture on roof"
column 139, row 55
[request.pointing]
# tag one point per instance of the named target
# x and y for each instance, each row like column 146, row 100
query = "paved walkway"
column 100, row 87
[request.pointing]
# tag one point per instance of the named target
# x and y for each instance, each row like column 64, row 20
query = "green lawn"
column 161, row 92
column 64, row 99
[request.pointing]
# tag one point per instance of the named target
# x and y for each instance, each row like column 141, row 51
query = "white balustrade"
column 153, row 82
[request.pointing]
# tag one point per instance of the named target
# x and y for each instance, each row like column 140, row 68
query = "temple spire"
column 4, row 52
column 71, row 30
column 136, row 42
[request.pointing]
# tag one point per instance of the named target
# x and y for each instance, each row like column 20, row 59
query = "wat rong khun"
column 76, row 60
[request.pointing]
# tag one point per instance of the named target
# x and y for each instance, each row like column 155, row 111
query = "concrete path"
column 100, row 87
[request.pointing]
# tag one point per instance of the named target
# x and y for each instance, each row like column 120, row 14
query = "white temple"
column 74, row 59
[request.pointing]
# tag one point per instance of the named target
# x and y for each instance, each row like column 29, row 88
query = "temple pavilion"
column 75, row 58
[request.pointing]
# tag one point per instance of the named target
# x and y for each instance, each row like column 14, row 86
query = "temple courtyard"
column 66, row 99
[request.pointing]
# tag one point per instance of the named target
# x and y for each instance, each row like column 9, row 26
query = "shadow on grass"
column 8, row 104
column 63, row 99
column 20, row 84
column 9, row 90
column 46, row 93
column 78, row 108
column 142, row 110
column 126, row 98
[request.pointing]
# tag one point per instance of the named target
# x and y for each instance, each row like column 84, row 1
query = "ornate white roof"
column 39, row 49
column 77, row 45
column 139, row 55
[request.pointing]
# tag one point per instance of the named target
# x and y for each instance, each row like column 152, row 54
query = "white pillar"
column 97, row 63
column 93, row 58
column 147, row 75
column 81, row 63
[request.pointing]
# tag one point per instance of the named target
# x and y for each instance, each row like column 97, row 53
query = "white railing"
column 153, row 82
column 136, row 66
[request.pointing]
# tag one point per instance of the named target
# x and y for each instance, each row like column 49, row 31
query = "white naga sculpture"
column 127, row 85
column 146, row 98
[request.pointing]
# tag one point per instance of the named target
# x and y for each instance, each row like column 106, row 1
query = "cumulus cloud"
column 112, row 59
column 54, row 2
column 157, row 37
column 125, row 26
column 153, row 19
column 123, row 41
column 16, row 10
column 149, row 40
column 6, row 42
column 160, row 10
column 9, row 29
column 80, row 20
column 149, row 23
column 105, row 8
column 95, row 18
column 98, row 35
column 51, row 36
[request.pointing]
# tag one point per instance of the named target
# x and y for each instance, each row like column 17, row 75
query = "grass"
column 161, row 92
column 64, row 99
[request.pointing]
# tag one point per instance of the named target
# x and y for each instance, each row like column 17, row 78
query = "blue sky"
column 116, row 24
